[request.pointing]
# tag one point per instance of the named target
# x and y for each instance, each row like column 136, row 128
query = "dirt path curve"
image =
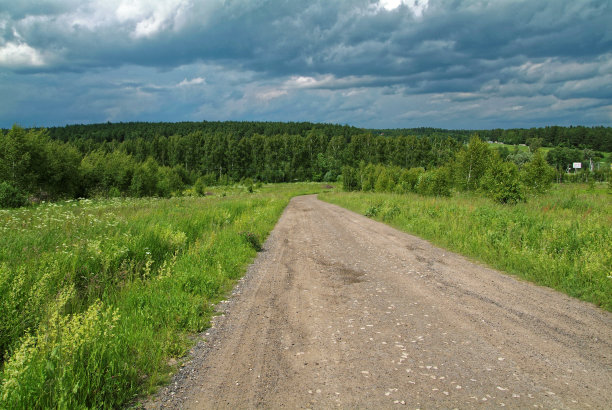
column 342, row 311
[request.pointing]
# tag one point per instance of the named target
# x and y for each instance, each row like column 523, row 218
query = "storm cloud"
column 370, row 63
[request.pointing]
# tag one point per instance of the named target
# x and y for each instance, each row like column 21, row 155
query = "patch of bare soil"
column 342, row 311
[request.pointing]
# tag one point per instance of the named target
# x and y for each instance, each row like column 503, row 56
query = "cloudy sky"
column 368, row 63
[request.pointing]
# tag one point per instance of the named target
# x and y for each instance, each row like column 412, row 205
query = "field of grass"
column 97, row 296
column 562, row 239
column 607, row 156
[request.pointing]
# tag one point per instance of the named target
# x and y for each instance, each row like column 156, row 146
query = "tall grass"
column 96, row 296
column 562, row 239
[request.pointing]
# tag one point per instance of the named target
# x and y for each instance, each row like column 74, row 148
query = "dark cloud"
column 259, row 57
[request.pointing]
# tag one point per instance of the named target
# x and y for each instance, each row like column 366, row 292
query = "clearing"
column 340, row 310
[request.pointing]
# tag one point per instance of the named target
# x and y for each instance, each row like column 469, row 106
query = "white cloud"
column 302, row 82
column 193, row 81
column 19, row 54
column 416, row 6
column 271, row 95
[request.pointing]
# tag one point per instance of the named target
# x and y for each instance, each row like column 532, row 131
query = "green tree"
column 200, row 186
column 350, row 179
column 502, row 182
column 169, row 182
column 471, row 163
column 384, row 181
column 10, row 196
column 62, row 174
column 368, row 177
column 144, row 181
column 537, row 174
column 520, row 158
column 534, row 144
column 436, row 182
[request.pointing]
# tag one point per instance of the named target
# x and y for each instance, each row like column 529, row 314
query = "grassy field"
column 97, row 296
column 562, row 239
column 607, row 156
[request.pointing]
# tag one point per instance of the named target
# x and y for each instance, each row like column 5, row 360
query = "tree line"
column 163, row 159
column 474, row 167
column 595, row 138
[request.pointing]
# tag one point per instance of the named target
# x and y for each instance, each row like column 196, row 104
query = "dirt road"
column 342, row 311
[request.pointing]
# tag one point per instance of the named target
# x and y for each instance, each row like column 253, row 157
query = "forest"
column 168, row 159
column 596, row 138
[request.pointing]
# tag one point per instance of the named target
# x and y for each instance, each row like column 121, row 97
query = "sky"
column 459, row 64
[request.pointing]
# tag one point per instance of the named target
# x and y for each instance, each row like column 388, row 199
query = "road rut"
column 342, row 311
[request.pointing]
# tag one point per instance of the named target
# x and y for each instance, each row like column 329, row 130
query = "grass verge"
column 97, row 296
column 562, row 239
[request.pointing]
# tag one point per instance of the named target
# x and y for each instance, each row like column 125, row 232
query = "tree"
column 144, row 181
column 561, row 158
column 471, row 163
column 62, row 174
column 10, row 196
column 368, row 177
column 534, row 144
column 436, row 182
column 520, row 158
column 384, row 182
column 350, row 179
column 169, row 182
column 503, row 184
column 537, row 174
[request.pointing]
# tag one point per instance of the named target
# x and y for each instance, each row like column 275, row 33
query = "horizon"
column 297, row 122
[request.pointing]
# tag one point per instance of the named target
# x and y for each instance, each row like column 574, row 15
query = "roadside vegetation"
column 561, row 239
column 96, row 296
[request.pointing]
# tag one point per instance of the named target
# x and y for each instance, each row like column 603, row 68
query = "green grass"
column 97, row 296
column 562, row 239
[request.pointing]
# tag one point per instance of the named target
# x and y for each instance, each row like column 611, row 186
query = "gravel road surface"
column 342, row 311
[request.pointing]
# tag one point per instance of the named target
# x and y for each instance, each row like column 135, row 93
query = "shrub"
column 200, row 186
column 503, row 184
column 10, row 196
column 372, row 211
column 435, row 183
column 248, row 184
column 144, row 181
column 537, row 174
column 383, row 182
column 350, row 179
column 114, row 192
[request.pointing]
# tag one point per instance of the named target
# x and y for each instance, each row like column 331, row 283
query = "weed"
column 252, row 240
column 372, row 211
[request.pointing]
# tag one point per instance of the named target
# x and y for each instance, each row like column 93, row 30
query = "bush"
column 114, row 192
column 200, row 186
column 248, row 185
column 435, row 183
column 372, row 211
column 383, row 182
column 503, row 184
column 537, row 174
column 144, row 181
column 350, row 179
column 11, row 197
